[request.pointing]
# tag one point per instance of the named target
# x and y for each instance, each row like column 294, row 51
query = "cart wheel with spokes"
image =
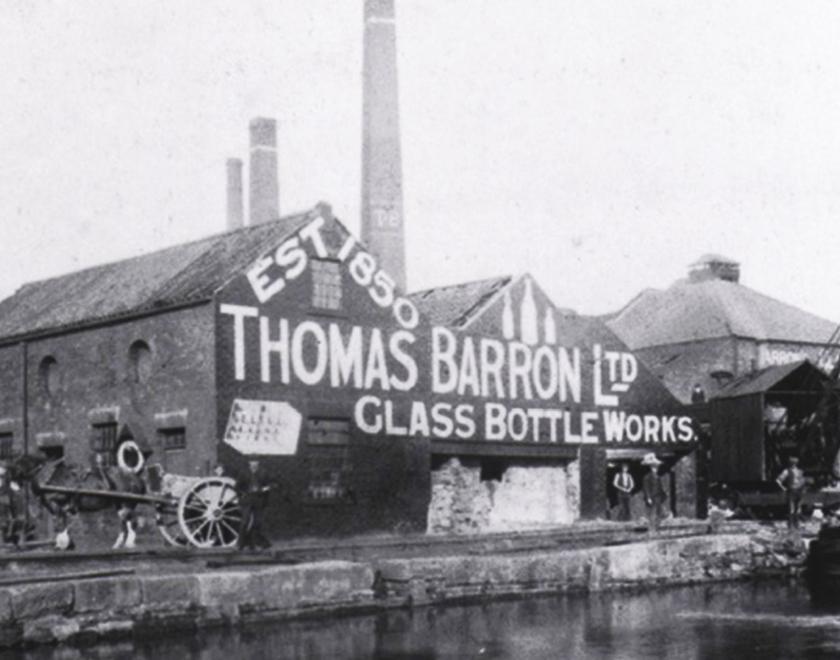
column 209, row 513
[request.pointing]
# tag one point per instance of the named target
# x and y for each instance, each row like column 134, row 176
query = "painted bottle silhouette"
column 549, row 327
column 528, row 316
column 507, row 318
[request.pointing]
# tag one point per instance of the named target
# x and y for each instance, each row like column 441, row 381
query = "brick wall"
column 680, row 366
column 94, row 371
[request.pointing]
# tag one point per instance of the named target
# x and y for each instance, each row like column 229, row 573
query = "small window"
column 328, row 458
column 103, row 442
column 140, row 362
column 326, row 284
column 173, row 439
column 49, row 376
column 7, row 444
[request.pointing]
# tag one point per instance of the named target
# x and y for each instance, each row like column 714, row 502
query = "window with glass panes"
column 173, row 439
column 326, row 284
column 103, row 442
column 7, row 443
column 327, row 458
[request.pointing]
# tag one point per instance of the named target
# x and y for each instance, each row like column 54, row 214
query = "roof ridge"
column 446, row 287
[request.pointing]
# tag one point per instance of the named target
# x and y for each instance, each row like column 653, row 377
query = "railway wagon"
column 757, row 421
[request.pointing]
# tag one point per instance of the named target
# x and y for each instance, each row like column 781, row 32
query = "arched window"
column 49, row 376
column 140, row 362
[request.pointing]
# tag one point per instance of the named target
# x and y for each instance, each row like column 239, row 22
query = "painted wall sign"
column 408, row 378
column 269, row 428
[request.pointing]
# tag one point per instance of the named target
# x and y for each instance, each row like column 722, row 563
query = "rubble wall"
column 522, row 496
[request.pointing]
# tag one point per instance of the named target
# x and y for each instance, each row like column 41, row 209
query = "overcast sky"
column 601, row 146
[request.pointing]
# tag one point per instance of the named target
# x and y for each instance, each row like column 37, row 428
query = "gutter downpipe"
column 24, row 352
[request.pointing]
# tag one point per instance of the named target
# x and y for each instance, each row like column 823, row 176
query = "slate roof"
column 690, row 311
column 182, row 274
column 455, row 305
column 811, row 378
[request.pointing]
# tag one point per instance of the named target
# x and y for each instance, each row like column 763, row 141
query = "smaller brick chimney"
column 235, row 214
column 714, row 267
column 264, row 198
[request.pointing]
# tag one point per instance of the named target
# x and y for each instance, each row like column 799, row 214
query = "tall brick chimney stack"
column 264, row 199
column 235, row 214
column 382, row 204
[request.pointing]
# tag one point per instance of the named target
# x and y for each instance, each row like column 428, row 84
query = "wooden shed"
column 759, row 419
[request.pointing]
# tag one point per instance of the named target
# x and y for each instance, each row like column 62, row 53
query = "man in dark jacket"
column 253, row 498
column 653, row 491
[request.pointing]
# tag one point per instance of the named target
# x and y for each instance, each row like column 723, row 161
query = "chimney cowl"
column 714, row 267
column 379, row 9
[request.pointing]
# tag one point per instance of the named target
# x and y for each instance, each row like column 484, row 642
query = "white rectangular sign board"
column 268, row 428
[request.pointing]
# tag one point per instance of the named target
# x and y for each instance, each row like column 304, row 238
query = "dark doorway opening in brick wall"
column 677, row 473
column 493, row 468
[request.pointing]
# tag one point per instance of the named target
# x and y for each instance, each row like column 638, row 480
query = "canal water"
column 737, row 621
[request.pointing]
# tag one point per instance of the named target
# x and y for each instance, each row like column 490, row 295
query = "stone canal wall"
column 118, row 606
column 149, row 603
column 420, row 581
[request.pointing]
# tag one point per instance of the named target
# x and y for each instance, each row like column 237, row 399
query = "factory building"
column 374, row 410
column 708, row 329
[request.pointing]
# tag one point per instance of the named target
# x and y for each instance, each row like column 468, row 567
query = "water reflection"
column 765, row 620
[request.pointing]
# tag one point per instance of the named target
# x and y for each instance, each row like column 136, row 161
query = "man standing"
column 623, row 483
column 653, row 490
column 253, row 497
column 792, row 481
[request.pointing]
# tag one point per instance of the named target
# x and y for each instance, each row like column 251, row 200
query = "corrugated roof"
column 765, row 379
column 454, row 305
column 690, row 311
column 173, row 276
